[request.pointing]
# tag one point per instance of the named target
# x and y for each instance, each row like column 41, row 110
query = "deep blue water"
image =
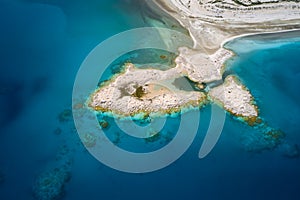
column 43, row 45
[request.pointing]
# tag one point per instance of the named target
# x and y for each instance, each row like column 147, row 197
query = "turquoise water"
column 142, row 58
column 43, row 45
column 270, row 69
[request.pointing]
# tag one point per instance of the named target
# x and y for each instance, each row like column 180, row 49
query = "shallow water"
column 43, row 46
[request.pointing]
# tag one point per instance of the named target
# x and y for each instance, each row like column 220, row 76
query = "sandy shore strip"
column 210, row 35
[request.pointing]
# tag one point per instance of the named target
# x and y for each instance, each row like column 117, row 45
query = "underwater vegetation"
column 267, row 138
column 103, row 123
column 263, row 138
column 163, row 137
column 50, row 184
column 155, row 136
column 259, row 141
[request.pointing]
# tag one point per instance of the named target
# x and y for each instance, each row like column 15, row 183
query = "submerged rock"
column 89, row 140
column 65, row 115
column 103, row 123
column 264, row 139
column 50, row 184
column 153, row 136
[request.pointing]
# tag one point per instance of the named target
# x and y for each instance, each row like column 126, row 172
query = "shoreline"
column 136, row 92
column 144, row 94
column 223, row 34
column 255, row 35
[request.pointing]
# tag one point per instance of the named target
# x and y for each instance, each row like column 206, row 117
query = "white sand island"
column 144, row 91
column 211, row 24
